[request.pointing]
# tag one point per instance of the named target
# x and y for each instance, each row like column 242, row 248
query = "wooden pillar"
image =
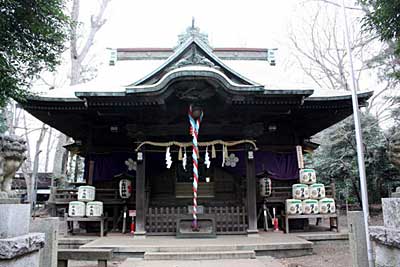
column 251, row 193
column 90, row 147
column 90, row 173
column 140, row 194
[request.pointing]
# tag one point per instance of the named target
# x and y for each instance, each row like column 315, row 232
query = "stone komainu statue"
column 394, row 150
column 12, row 155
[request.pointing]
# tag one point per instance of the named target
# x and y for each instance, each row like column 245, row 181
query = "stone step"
column 200, row 255
column 199, row 248
column 262, row 262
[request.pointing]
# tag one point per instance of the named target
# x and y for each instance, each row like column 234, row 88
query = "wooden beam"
column 180, row 129
column 140, row 194
column 260, row 54
column 251, row 193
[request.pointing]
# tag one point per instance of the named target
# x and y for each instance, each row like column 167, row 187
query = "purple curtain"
column 106, row 166
column 280, row 166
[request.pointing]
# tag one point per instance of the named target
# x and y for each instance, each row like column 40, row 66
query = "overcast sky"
column 156, row 23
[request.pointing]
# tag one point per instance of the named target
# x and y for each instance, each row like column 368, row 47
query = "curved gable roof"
column 193, row 52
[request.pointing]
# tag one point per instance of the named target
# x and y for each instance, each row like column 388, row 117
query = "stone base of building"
column 386, row 256
column 18, row 247
column 386, row 238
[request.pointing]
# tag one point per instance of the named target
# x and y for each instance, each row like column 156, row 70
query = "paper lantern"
column 125, row 188
column 265, row 187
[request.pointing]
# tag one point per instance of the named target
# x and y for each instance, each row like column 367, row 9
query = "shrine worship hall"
column 193, row 147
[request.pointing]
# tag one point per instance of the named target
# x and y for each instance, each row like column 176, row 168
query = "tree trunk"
column 49, row 146
column 58, row 167
column 26, row 166
column 77, row 59
column 36, row 165
column 356, row 191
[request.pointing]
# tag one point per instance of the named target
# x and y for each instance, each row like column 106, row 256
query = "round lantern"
column 125, row 188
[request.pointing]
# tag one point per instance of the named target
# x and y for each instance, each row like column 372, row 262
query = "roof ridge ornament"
column 194, row 58
column 192, row 32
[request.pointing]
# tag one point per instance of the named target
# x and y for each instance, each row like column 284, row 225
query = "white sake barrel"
column 327, row 205
column 86, row 193
column 94, row 209
column 293, row 206
column 300, row 191
column 317, row 191
column 307, row 176
column 76, row 209
column 310, row 206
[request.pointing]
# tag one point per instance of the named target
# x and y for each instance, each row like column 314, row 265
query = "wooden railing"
column 229, row 220
column 64, row 196
column 280, row 194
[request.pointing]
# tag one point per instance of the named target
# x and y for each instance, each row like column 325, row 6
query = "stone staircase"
column 200, row 255
column 201, row 252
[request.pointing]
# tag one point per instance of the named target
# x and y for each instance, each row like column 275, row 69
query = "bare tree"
column 49, row 146
column 319, row 49
column 27, row 165
column 372, row 56
column 79, row 51
column 34, row 176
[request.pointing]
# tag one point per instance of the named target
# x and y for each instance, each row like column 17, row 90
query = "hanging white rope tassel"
column 213, row 152
column 207, row 161
column 168, row 158
column 180, row 153
column 184, row 159
column 223, row 155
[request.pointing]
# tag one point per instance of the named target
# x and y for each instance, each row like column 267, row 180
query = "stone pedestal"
column 48, row 226
column 357, row 238
column 387, row 237
column 14, row 220
column 18, row 247
column 397, row 193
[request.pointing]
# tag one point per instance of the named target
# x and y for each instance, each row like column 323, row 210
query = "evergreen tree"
column 336, row 159
column 32, row 37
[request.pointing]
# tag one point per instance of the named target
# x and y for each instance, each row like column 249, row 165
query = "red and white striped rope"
column 194, row 130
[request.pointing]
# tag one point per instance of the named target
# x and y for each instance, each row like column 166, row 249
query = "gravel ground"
column 325, row 253
column 330, row 253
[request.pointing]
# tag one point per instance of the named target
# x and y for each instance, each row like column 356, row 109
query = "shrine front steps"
column 200, row 255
